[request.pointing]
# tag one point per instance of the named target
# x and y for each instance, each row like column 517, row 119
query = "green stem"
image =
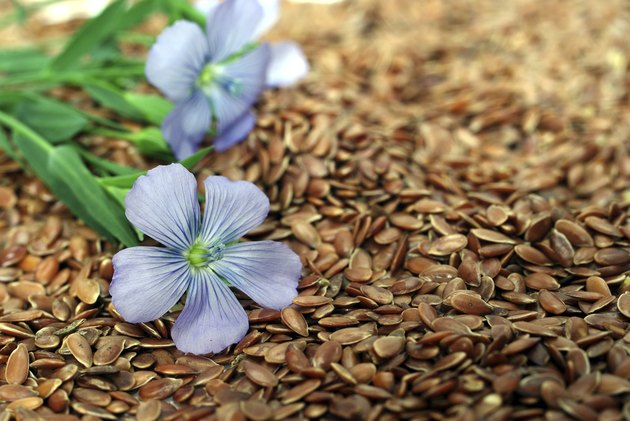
column 73, row 76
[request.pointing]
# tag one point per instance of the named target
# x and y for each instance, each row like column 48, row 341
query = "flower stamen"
column 201, row 255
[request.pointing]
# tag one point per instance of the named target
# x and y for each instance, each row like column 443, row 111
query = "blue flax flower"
column 215, row 78
column 201, row 258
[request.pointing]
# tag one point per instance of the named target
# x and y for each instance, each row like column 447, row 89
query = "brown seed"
column 95, row 411
column 550, row 302
column 387, row 347
column 387, row 236
column 311, row 300
column 91, row 396
column 259, row 374
column 327, row 353
column 602, row 226
column 32, row 402
column 623, row 304
column 470, row 304
column 48, row 387
column 358, row 274
column 306, row 233
column 159, row 389
column 492, row 236
column 541, row 280
column 12, row 392
column 294, row 320
column 108, row 353
column 574, row 232
column 256, row 410
column 349, row 335
column 17, row 365
column 379, row 295
column 448, row 244
column 531, row 255
column 80, row 348
column 301, row 390
column 612, row 256
column 149, row 410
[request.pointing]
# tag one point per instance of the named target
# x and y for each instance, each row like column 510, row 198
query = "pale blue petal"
column 212, row 318
column 176, row 59
column 147, row 282
column 288, row 64
column 163, row 205
column 271, row 12
column 237, row 132
column 207, row 6
column 267, row 271
column 186, row 125
column 239, row 87
column 232, row 209
column 231, row 26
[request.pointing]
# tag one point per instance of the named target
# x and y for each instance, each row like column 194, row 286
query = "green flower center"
column 200, row 255
column 208, row 75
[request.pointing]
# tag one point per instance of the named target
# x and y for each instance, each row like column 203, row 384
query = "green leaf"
column 154, row 108
column 22, row 61
column 73, row 183
column 193, row 159
column 62, row 170
column 137, row 13
column 104, row 165
column 50, row 118
column 150, row 142
column 7, row 147
column 111, row 97
column 182, row 9
column 90, row 35
column 126, row 181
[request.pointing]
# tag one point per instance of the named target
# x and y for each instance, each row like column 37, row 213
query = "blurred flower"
column 215, row 78
column 202, row 257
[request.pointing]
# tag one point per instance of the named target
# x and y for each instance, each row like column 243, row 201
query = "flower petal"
column 163, row 205
column 248, row 74
column 232, row 25
column 235, row 133
column 271, row 11
column 267, row 271
column 186, row 125
column 147, row 282
column 232, row 209
column 288, row 64
column 212, row 318
column 176, row 59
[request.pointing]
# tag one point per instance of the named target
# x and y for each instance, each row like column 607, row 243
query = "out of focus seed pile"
column 463, row 217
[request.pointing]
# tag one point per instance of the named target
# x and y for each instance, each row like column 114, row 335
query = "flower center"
column 213, row 74
column 208, row 75
column 200, row 255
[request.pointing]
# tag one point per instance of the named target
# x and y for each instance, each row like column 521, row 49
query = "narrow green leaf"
column 137, row 13
column 90, row 35
column 50, row 118
column 22, row 60
column 62, row 170
column 126, row 181
column 104, row 165
column 111, row 97
column 154, row 108
column 7, row 147
column 193, row 159
column 182, row 9
column 77, row 185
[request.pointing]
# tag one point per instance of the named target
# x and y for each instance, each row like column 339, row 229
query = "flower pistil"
column 200, row 255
